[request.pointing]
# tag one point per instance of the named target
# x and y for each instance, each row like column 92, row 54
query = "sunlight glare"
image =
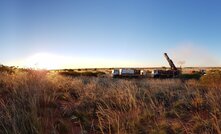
column 45, row 61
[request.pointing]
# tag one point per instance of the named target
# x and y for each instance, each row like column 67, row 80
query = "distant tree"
column 164, row 68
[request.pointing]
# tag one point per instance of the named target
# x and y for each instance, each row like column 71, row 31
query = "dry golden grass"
column 41, row 102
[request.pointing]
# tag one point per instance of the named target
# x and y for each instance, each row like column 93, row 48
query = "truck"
column 127, row 73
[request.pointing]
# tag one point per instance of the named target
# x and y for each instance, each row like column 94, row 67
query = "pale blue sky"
column 114, row 32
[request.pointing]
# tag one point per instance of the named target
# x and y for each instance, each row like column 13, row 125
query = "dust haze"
column 192, row 55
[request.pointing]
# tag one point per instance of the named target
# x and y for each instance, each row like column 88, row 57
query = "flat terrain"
column 108, row 70
column 47, row 102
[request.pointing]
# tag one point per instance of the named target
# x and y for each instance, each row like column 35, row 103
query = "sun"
column 44, row 61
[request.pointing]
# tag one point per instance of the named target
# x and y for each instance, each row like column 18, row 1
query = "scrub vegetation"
column 43, row 102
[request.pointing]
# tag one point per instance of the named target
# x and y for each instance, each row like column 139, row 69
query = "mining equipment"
column 173, row 72
column 128, row 73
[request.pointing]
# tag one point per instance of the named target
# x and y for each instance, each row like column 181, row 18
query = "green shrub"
column 191, row 76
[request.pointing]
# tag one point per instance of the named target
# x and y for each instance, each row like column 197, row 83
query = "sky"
column 109, row 33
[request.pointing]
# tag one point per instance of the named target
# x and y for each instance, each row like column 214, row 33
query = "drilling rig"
column 172, row 66
column 173, row 72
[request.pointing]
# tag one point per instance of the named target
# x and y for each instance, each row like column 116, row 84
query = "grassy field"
column 42, row 102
